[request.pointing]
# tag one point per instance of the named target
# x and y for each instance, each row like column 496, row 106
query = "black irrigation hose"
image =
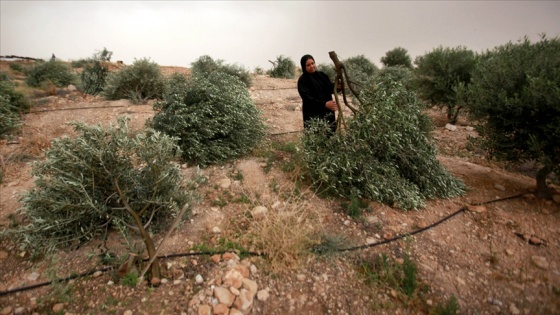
column 73, row 108
column 284, row 133
column 104, row 269
column 427, row 227
column 88, row 273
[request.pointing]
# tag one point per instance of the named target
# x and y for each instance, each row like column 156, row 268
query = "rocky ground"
column 497, row 257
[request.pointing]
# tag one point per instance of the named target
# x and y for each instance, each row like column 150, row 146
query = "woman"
column 316, row 89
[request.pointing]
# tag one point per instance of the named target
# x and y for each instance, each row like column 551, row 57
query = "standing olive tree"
column 283, row 67
column 397, row 57
column 95, row 72
column 515, row 97
column 441, row 73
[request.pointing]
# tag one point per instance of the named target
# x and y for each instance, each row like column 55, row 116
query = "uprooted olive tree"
column 383, row 153
column 213, row 117
column 101, row 179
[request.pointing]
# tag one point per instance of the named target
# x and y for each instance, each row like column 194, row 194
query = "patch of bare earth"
column 500, row 258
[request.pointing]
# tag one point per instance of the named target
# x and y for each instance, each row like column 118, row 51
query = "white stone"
column 450, row 127
column 225, row 183
column 540, row 262
column 259, row 212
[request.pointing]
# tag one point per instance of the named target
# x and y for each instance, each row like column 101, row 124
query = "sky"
column 251, row 33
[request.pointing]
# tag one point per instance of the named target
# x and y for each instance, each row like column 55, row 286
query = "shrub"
column 138, row 82
column 384, row 153
column 94, row 73
column 12, row 105
column 515, row 100
column 18, row 67
column 283, row 68
column 214, row 119
column 53, row 71
column 441, row 73
column 86, row 184
column 205, row 65
column 397, row 57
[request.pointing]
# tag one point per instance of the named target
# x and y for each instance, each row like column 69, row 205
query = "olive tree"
column 213, row 117
column 397, row 57
column 104, row 178
column 95, row 72
column 138, row 82
column 441, row 73
column 205, row 65
column 385, row 153
column 283, row 67
column 514, row 97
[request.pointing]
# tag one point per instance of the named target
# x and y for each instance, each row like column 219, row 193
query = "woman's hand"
column 331, row 105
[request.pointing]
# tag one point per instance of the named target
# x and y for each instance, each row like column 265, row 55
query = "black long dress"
column 315, row 89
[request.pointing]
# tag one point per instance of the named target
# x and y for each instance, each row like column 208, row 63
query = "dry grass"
column 284, row 234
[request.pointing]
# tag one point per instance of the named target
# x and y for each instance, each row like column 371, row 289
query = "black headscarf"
column 303, row 61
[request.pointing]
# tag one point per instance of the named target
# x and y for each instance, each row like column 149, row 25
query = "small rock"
column 6, row 310
column 34, row 276
column 556, row 198
column 216, row 258
column 220, row 309
column 155, row 281
column 253, row 269
column 58, row 307
column 372, row 219
column 450, row 127
column 540, row 262
column 72, row 88
column 234, row 291
column 205, row 310
column 301, row 277
column 535, row 241
column 234, row 311
column 259, row 212
column 198, row 279
column 224, row 296
column 244, row 301
column 469, row 128
column 97, row 274
column 216, row 230
column 3, row 254
column 19, row 311
column 477, row 209
column 233, row 278
column 513, row 309
column 499, row 187
column 250, row 285
column 263, row 295
column 127, row 312
column 225, row 183
column 509, row 252
column 230, row 256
